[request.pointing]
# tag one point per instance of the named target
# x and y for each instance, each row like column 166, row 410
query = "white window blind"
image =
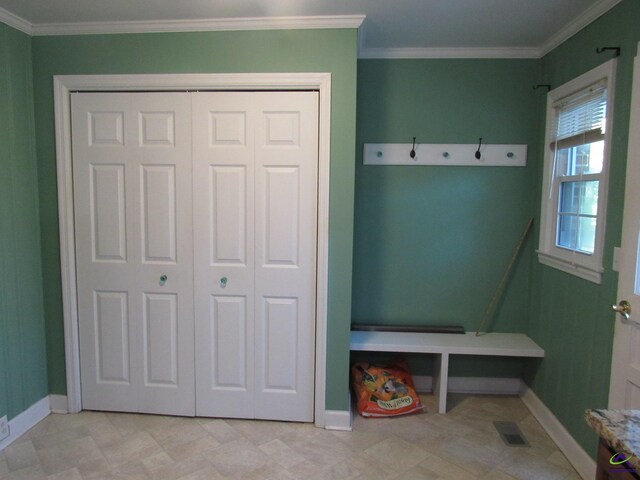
column 580, row 118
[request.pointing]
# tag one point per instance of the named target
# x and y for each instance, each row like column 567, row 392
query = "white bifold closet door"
column 132, row 202
column 255, row 229
column 196, row 234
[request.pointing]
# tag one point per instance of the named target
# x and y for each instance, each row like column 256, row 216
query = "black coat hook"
column 542, row 85
column 412, row 154
column 604, row 49
column 478, row 154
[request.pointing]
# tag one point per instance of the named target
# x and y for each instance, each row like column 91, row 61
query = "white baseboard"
column 472, row 385
column 581, row 461
column 338, row 420
column 485, row 386
column 58, row 404
column 26, row 420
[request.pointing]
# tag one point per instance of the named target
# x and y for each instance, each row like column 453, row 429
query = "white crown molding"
column 453, row 52
column 213, row 24
column 362, row 37
column 592, row 13
column 316, row 22
column 15, row 21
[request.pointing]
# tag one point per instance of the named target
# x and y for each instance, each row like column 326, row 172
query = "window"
column 576, row 166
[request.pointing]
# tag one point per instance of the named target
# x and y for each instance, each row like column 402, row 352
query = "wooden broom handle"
column 496, row 295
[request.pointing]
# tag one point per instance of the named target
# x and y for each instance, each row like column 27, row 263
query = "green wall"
column 221, row 52
column 432, row 242
column 428, row 245
column 23, row 374
column 571, row 318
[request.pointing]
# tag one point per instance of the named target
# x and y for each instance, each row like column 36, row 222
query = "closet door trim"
column 64, row 84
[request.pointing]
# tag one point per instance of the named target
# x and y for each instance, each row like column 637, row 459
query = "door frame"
column 63, row 85
column 621, row 343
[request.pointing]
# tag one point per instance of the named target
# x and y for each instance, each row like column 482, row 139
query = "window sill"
column 582, row 271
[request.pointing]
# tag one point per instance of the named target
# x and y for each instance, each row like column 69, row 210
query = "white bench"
column 444, row 344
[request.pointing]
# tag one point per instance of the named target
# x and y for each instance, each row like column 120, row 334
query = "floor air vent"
column 511, row 434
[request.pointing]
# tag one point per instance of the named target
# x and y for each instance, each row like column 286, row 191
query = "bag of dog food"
column 384, row 390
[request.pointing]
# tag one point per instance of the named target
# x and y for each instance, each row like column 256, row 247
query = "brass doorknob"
column 623, row 308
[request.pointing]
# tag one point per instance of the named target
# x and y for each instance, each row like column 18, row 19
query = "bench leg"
column 441, row 380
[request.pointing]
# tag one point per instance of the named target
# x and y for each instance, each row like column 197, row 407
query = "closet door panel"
column 132, row 202
column 282, row 216
column 159, row 214
column 223, row 179
column 105, row 253
column 108, row 218
column 285, row 246
column 229, row 347
column 165, row 274
column 160, row 343
column 281, row 356
column 112, row 337
column 228, row 236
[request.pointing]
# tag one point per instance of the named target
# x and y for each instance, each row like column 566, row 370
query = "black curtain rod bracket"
column 542, row 85
column 604, row 49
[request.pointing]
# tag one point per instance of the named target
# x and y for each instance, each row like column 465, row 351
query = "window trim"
column 588, row 267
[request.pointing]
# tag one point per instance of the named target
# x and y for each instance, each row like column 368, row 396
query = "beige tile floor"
column 460, row 445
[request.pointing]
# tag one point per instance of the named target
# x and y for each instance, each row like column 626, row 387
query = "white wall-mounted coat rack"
column 445, row 154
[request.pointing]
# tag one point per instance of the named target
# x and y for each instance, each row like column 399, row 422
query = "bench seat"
column 444, row 344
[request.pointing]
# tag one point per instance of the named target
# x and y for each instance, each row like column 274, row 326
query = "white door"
column 255, row 225
column 132, row 203
column 625, row 368
column 250, row 266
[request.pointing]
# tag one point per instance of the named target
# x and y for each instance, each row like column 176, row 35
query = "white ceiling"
column 401, row 28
